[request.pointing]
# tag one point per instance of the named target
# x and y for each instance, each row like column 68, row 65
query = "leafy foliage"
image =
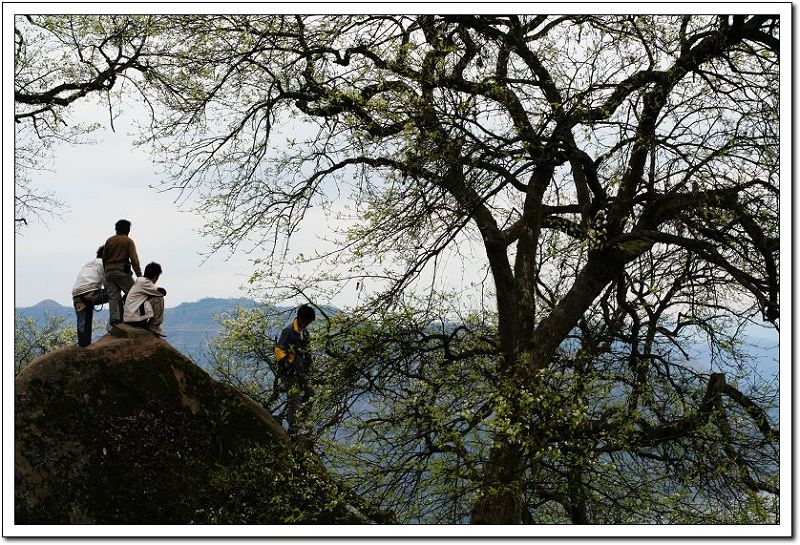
column 405, row 410
column 32, row 340
column 274, row 484
column 241, row 354
column 620, row 175
column 58, row 61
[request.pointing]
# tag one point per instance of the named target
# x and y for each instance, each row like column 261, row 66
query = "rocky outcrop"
column 129, row 431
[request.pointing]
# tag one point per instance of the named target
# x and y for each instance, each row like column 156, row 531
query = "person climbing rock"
column 294, row 362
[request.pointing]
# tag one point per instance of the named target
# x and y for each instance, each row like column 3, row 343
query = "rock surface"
column 129, row 431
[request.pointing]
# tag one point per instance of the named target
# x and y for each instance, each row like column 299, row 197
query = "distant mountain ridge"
column 46, row 305
column 189, row 326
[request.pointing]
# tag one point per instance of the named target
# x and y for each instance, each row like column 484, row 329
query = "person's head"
column 100, row 251
column 122, row 227
column 305, row 315
column 152, row 271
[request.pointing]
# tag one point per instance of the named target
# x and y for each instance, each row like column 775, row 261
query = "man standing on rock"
column 86, row 293
column 119, row 256
column 144, row 306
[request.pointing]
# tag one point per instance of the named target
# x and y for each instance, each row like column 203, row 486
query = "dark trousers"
column 297, row 395
column 294, row 383
column 84, row 312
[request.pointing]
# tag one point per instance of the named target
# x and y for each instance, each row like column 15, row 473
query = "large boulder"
column 129, row 431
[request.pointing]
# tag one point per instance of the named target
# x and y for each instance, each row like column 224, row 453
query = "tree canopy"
column 616, row 177
column 58, row 61
column 33, row 339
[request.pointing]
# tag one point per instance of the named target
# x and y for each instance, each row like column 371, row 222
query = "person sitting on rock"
column 144, row 306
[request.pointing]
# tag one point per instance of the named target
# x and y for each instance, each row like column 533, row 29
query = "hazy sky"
column 99, row 184
column 110, row 179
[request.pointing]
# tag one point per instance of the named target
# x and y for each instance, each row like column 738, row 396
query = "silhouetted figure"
column 119, row 256
column 87, row 292
column 294, row 361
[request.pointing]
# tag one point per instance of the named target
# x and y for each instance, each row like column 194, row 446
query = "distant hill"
column 189, row 326
column 48, row 307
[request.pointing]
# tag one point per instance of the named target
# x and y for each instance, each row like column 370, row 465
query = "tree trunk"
column 501, row 502
column 577, row 496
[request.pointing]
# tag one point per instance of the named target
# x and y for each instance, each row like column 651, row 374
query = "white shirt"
column 90, row 278
column 142, row 290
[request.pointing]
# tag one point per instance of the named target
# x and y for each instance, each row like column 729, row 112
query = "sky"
column 100, row 183
column 110, row 179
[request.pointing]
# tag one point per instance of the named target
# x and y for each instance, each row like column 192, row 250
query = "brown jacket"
column 118, row 250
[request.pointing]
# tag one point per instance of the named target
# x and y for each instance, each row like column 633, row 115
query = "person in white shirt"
column 144, row 305
column 87, row 292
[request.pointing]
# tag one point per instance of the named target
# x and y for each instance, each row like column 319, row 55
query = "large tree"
column 620, row 174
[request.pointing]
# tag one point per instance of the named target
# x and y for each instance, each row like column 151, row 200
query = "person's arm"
column 284, row 352
column 134, row 257
column 150, row 289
